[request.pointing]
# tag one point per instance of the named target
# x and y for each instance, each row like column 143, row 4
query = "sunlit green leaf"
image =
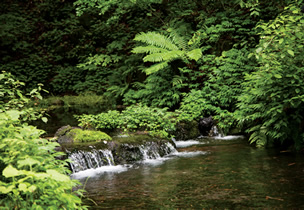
column 13, row 114
column 195, row 54
column 278, row 76
column 10, row 171
column 57, row 176
column 6, row 190
column 290, row 52
column 22, row 187
column 44, row 119
column 28, row 161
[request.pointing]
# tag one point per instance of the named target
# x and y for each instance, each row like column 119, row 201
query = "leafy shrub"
column 139, row 117
column 271, row 106
column 135, row 118
column 158, row 90
column 108, row 120
column 219, row 95
column 32, row 177
column 11, row 97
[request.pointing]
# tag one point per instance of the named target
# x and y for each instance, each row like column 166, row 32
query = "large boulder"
column 69, row 134
column 205, row 124
column 186, row 130
column 62, row 134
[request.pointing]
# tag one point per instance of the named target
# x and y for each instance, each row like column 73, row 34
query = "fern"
column 165, row 56
column 164, row 49
column 259, row 137
column 156, row 39
column 148, row 49
column 195, row 54
column 156, row 67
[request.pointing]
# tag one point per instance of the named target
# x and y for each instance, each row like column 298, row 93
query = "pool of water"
column 229, row 174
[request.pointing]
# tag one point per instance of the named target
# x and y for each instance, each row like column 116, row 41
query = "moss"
column 63, row 130
column 88, row 135
column 187, row 130
column 135, row 139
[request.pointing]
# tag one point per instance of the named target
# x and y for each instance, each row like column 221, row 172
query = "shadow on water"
column 230, row 175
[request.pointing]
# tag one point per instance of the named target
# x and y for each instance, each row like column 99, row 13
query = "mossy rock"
column 187, row 130
column 80, row 135
column 63, row 130
column 69, row 134
column 136, row 139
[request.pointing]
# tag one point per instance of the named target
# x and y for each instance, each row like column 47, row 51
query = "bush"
column 272, row 103
column 31, row 175
column 157, row 121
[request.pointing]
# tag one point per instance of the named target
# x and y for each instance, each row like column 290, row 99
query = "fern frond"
column 177, row 80
column 148, row 49
column 156, row 39
column 156, row 67
column 259, row 137
column 178, row 40
column 195, row 54
column 138, row 85
column 166, row 56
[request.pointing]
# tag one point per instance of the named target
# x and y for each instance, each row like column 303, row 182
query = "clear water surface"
column 205, row 174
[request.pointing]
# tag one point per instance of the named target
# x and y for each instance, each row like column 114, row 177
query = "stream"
column 217, row 173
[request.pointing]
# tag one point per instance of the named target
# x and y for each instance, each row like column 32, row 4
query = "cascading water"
column 216, row 132
column 83, row 160
column 92, row 158
column 149, row 152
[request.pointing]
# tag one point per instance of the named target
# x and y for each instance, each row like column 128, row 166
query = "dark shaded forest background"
column 239, row 61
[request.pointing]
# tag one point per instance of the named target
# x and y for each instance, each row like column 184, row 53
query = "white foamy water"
column 156, row 161
column 231, row 137
column 100, row 170
column 181, row 144
column 190, row 154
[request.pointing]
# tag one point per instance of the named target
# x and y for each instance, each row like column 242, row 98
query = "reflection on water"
column 231, row 176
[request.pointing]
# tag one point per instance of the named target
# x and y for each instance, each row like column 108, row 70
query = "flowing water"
column 216, row 173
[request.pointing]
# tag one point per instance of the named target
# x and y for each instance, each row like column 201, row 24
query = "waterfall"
column 215, row 132
column 153, row 151
column 82, row 160
column 92, row 158
column 148, row 152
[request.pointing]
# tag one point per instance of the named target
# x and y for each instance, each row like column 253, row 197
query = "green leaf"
column 6, row 190
column 22, row 187
column 195, row 54
column 44, row 119
column 290, row 52
column 58, row 176
column 278, row 76
column 156, row 67
column 10, row 171
column 28, row 161
column 13, row 114
column 259, row 50
column 41, row 175
column 32, row 188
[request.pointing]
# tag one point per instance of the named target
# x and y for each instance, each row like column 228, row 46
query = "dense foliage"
column 31, row 175
column 240, row 61
column 272, row 102
column 158, row 122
